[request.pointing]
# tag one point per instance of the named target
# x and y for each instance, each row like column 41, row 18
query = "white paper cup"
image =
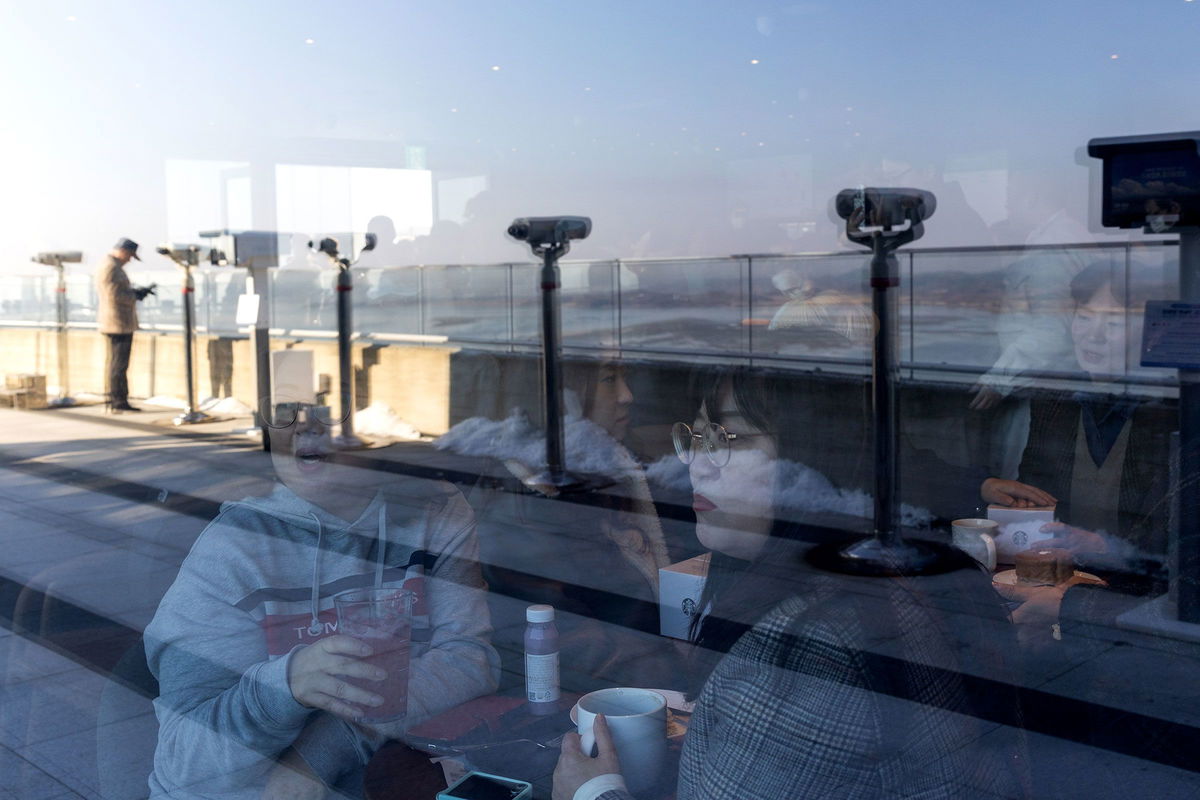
column 637, row 719
column 976, row 538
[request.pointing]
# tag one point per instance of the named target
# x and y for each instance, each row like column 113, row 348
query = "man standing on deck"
column 116, row 316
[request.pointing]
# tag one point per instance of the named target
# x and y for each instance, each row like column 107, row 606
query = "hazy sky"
column 651, row 117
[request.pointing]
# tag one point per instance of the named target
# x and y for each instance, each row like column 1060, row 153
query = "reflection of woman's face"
column 611, row 400
column 1098, row 330
column 734, row 503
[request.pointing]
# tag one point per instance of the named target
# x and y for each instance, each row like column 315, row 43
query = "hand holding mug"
column 576, row 767
column 635, row 722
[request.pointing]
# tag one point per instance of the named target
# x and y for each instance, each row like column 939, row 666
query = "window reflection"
column 168, row 623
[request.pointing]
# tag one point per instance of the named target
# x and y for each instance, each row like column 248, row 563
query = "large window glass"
column 393, row 392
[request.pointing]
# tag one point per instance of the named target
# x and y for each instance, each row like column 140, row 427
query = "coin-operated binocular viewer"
column 347, row 440
column 187, row 256
column 1153, row 182
column 56, row 260
column 883, row 220
column 550, row 239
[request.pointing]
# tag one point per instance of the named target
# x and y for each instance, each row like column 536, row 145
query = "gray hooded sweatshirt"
column 258, row 584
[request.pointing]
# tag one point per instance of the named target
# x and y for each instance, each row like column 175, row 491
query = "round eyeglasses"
column 712, row 437
column 284, row 415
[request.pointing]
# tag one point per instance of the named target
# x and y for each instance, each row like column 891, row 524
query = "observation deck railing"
column 964, row 311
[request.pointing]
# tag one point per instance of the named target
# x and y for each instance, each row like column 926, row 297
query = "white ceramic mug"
column 976, row 538
column 637, row 719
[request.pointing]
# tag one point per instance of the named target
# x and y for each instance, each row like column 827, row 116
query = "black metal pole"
column 1188, row 546
column 189, row 336
column 190, row 414
column 345, row 367
column 884, row 378
column 64, row 367
column 260, row 283
column 551, row 367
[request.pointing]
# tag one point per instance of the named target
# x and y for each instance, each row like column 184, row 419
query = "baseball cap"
column 127, row 244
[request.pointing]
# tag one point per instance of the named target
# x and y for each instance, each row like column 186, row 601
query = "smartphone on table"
column 482, row 786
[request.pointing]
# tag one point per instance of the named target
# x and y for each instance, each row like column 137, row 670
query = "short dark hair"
column 1129, row 290
column 1093, row 278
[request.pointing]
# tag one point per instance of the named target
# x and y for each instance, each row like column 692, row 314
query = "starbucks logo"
column 1020, row 538
column 689, row 606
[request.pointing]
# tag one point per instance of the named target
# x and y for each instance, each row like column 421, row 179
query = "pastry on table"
column 1044, row 566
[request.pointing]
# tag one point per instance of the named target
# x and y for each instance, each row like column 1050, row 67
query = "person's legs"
column 119, row 345
column 214, row 367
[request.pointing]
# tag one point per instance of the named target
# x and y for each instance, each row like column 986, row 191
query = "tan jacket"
column 116, row 310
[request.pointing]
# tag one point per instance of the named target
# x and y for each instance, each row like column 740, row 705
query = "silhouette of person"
column 387, row 251
column 1033, row 324
column 299, row 298
column 220, row 346
column 117, row 318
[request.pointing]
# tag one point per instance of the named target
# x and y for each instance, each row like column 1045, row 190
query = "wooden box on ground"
column 23, row 390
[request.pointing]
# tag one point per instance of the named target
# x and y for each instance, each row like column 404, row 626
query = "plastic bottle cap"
column 539, row 614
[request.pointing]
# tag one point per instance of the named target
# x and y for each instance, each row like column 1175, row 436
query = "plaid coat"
column 854, row 689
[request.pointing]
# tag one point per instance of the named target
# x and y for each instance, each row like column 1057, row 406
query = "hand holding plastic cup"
column 381, row 618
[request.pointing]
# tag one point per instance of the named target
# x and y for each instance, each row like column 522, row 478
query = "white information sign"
column 247, row 309
column 1171, row 336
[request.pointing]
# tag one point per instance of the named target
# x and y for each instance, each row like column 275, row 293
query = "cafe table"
column 495, row 734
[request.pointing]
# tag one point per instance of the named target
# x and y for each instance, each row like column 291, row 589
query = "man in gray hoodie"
column 255, row 699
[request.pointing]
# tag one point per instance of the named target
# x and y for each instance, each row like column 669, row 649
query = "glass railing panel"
column 693, row 305
column 164, row 309
column 814, row 310
column 1003, row 314
column 81, row 297
column 526, row 303
column 589, row 304
column 217, row 293
column 303, row 299
column 28, row 298
column 387, row 300
column 466, row 302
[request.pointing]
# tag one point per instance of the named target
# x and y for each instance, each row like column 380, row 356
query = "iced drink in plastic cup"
column 381, row 619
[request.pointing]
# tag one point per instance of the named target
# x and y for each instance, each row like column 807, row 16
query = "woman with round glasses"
column 809, row 683
column 597, row 564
